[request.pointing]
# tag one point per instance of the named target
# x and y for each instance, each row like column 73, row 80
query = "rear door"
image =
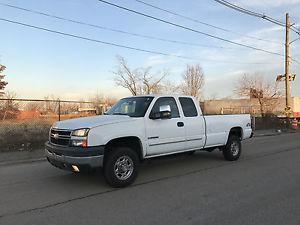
column 165, row 135
column 194, row 124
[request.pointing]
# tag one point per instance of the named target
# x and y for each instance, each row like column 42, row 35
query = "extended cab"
column 142, row 127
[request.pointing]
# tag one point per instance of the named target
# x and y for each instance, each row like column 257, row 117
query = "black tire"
column 121, row 167
column 233, row 149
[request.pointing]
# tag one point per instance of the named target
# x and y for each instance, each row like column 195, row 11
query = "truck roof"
column 160, row 95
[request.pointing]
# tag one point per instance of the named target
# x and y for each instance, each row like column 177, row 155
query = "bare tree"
column 35, row 106
column 110, row 101
column 170, row 87
column 193, row 81
column 101, row 103
column 9, row 108
column 51, row 104
column 152, row 84
column 127, row 78
column 68, row 108
column 255, row 86
column 98, row 103
column 137, row 81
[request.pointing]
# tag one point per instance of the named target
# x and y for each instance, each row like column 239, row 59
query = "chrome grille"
column 60, row 137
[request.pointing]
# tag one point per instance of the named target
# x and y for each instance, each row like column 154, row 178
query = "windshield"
column 133, row 107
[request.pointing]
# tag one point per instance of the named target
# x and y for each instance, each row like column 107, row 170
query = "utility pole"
column 287, row 68
column 287, row 77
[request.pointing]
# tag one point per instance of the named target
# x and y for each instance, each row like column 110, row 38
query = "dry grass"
column 23, row 135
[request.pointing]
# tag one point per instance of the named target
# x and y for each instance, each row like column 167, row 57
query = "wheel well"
column 132, row 142
column 236, row 131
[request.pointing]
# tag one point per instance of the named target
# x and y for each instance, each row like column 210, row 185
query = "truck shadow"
column 150, row 170
column 185, row 157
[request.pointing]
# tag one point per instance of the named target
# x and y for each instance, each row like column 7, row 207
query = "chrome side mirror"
column 164, row 113
column 165, row 108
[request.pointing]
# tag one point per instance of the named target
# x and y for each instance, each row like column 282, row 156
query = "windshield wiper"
column 118, row 113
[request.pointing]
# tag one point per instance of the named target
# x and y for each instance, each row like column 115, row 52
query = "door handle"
column 180, row 124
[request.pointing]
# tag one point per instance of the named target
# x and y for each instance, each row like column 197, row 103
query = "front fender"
column 101, row 135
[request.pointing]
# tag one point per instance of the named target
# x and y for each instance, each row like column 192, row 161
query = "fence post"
column 58, row 109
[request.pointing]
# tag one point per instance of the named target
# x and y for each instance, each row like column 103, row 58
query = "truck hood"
column 90, row 122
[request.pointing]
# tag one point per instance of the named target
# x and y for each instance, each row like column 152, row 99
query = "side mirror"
column 164, row 113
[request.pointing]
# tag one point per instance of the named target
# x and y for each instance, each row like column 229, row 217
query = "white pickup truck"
column 141, row 127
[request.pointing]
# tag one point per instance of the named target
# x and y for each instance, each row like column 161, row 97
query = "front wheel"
column 121, row 167
column 233, row 149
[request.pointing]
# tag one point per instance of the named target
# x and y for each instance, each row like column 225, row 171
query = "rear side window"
column 188, row 107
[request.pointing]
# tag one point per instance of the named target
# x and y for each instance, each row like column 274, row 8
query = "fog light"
column 79, row 143
column 75, row 168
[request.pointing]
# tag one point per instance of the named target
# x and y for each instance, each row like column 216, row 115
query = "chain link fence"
column 25, row 123
column 275, row 120
column 268, row 121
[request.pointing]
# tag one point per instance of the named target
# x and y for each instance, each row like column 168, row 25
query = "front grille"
column 60, row 137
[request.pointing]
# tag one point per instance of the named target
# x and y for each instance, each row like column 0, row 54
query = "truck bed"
column 218, row 127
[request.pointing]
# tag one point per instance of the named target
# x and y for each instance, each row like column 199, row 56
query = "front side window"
column 163, row 101
column 133, row 107
column 188, row 107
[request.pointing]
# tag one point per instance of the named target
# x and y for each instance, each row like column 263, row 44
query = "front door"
column 165, row 135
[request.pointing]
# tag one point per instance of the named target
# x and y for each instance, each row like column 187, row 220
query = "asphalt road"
column 263, row 187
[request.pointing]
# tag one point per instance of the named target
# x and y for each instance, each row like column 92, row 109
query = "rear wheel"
column 233, row 149
column 121, row 167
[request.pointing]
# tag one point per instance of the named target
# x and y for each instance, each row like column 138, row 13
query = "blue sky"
column 40, row 63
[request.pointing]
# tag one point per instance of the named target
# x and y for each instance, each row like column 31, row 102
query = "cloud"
column 222, row 83
column 157, row 60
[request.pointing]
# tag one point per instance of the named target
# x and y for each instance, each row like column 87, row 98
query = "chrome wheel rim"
column 123, row 167
column 234, row 148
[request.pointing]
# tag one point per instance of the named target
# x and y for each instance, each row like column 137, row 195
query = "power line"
column 182, row 16
column 111, row 29
column 263, row 16
column 203, row 23
column 255, row 14
column 90, row 39
column 117, row 45
column 249, row 12
column 189, row 29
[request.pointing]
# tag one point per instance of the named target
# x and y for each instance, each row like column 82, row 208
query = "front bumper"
column 66, row 157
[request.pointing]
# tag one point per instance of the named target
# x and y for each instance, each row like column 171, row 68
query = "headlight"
column 80, row 132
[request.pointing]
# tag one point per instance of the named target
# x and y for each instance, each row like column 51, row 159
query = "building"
column 252, row 106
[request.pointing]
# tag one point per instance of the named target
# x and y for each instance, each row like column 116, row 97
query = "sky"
column 43, row 64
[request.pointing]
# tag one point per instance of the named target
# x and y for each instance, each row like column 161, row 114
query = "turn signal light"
column 75, row 168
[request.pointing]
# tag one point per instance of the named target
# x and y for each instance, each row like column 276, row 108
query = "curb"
column 277, row 133
column 269, row 134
